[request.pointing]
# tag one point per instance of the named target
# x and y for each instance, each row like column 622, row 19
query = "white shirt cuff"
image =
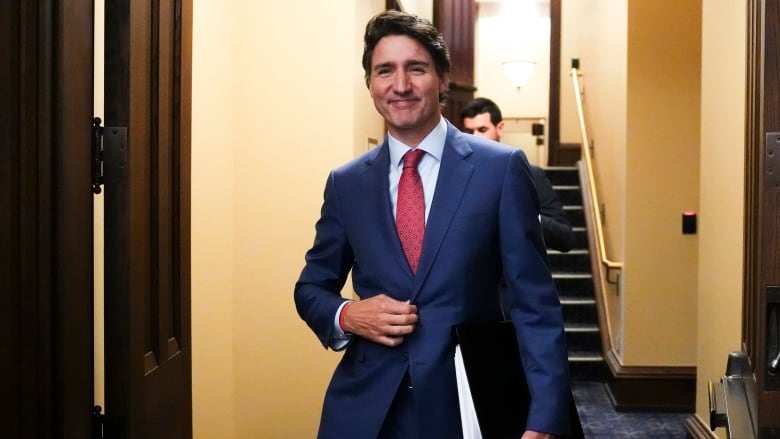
column 340, row 339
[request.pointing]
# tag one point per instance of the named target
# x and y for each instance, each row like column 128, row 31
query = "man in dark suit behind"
column 397, row 378
column 483, row 118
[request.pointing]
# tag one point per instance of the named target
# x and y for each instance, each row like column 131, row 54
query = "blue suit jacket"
column 482, row 227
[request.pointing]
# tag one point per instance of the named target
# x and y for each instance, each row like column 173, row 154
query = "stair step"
column 571, row 272
column 578, row 251
column 572, row 276
column 589, row 371
column 580, row 237
column 562, row 175
column 571, row 285
column 569, row 195
column 579, row 327
column 572, row 261
column 585, row 357
column 580, row 314
column 577, row 301
column 583, row 341
column 576, row 215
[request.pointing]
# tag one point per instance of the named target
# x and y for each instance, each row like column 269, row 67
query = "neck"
column 413, row 136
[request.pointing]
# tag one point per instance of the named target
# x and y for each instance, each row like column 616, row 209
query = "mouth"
column 403, row 103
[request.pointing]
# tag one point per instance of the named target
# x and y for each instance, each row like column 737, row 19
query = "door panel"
column 45, row 219
column 147, row 148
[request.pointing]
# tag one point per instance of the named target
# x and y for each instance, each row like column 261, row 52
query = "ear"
column 444, row 82
column 500, row 129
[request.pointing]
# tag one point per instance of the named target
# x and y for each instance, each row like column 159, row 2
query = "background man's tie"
column 410, row 211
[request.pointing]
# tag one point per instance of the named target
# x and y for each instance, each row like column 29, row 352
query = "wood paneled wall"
column 456, row 20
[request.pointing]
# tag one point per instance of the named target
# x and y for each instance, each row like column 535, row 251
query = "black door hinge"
column 106, row 426
column 97, row 155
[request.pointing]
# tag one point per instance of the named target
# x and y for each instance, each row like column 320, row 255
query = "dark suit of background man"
column 397, row 376
column 482, row 117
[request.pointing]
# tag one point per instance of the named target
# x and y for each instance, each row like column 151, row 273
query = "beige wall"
column 721, row 202
column 278, row 100
column 214, row 133
column 662, row 181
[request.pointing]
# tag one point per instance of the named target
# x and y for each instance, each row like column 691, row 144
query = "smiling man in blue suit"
column 397, row 377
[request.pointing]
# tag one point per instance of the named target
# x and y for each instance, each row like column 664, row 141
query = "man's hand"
column 537, row 435
column 381, row 319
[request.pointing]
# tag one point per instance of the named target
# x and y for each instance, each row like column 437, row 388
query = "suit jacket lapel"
column 454, row 175
column 379, row 209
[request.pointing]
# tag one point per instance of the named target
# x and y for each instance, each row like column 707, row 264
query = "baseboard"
column 651, row 388
column 697, row 429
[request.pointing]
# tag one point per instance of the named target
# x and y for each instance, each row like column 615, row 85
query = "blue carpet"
column 600, row 420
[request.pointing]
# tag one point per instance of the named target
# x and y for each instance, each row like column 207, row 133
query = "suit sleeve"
column 556, row 228
column 318, row 289
column 533, row 302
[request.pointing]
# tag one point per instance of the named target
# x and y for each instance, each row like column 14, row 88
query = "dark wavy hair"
column 482, row 105
column 392, row 22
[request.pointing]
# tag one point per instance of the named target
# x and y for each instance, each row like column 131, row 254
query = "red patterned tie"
column 410, row 211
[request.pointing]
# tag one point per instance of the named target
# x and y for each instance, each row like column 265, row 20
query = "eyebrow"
column 407, row 64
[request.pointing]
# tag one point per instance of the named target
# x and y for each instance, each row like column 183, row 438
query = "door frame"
column 762, row 207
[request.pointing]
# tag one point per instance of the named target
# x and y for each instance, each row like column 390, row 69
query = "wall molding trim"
column 698, row 429
column 651, row 388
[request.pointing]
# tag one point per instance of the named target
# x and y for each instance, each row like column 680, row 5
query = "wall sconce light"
column 519, row 71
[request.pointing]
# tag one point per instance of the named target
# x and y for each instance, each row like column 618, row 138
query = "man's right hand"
column 380, row 319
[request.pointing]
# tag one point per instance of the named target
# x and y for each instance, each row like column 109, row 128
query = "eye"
column 383, row 70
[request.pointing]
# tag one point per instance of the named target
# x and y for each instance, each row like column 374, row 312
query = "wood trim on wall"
column 393, row 4
column 554, row 110
column 651, row 388
column 697, row 429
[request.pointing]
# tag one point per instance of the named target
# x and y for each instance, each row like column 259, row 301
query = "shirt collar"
column 433, row 144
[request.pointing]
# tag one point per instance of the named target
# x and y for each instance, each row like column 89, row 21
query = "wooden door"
column 46, row 219
column 761, row 327
column 147, row 217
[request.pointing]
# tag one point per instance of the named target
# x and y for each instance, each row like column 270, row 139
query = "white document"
column 468, row 415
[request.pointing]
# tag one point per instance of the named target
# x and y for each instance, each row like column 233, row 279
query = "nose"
column 401, row 83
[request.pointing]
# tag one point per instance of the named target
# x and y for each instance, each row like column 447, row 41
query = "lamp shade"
column 518, row 71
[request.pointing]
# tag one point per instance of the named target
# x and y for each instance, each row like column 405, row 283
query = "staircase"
column 572, row 274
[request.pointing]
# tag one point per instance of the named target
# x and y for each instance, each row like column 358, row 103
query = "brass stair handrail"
column 609, row 264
